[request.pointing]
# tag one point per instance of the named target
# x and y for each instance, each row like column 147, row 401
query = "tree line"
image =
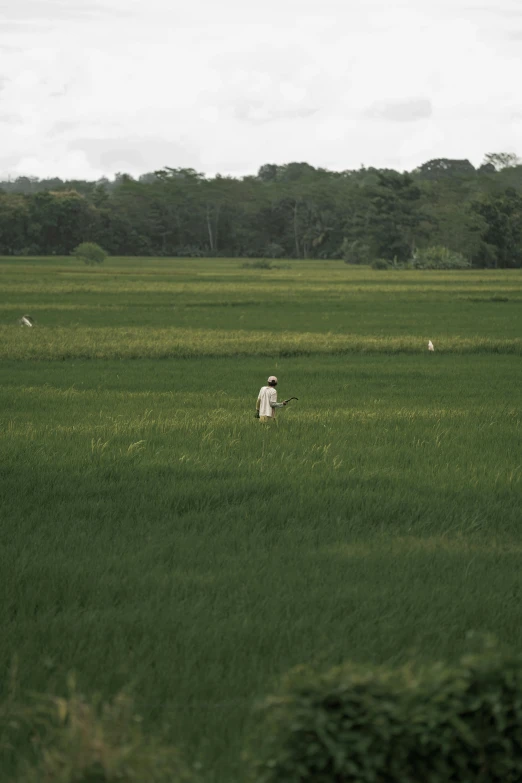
column 293, row 210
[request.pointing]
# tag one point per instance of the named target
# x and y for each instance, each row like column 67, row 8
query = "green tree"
column 394, row 217
column 501, row 160
column 502, row 235
column 59, row 221
column 14, row 220
column 294, row 209
column 355, row 252
column 178, row 211
column 450, row 221
column 90, row 253
column 445, row 168
column 219, row 200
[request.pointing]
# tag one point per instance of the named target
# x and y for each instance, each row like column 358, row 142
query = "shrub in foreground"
column 361, row 725
column 90, row 253
column 77, row 741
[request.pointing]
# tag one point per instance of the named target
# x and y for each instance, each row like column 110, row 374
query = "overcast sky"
column 92, row 87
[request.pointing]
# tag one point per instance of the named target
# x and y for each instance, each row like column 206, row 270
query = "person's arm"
column 273, row 401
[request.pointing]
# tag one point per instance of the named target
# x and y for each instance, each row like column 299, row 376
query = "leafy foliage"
column 355, row 252
column 90, row 253
column 358, row 724
column 292, row 210
column 502, row 239
column 275, row 250
column 439, row 258
column 394, row 216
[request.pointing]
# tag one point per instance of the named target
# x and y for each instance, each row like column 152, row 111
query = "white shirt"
column 267, row 397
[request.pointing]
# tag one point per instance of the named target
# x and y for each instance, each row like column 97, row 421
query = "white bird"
column 430, row 346
column 26, row 320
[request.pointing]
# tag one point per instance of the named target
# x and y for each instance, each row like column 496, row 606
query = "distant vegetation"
column 292, row 211
column 426, row 258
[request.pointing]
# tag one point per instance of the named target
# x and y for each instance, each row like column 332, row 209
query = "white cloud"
column 88, row 88
column 401, row 111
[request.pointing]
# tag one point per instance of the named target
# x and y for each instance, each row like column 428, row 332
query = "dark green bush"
column 261, row 263
column 359, row 725
column 188, row 251
column 90, row 253
column 439, row 258
column 274, row 250
column 381, row 263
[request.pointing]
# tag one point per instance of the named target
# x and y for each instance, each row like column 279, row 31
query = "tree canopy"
column 294, row 210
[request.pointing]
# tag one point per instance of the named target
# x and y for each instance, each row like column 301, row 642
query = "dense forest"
column 292, row 210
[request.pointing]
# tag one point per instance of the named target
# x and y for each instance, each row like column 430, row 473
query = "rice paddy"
column 156, row 536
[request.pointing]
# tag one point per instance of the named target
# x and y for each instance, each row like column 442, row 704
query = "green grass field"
column 154, row 534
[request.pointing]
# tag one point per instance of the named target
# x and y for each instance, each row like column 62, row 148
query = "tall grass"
column 138, row 343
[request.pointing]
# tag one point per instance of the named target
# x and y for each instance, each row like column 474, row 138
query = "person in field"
column 267, row 401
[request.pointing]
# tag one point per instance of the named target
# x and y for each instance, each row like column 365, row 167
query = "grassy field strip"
column 289, row 287
column 119, row 343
